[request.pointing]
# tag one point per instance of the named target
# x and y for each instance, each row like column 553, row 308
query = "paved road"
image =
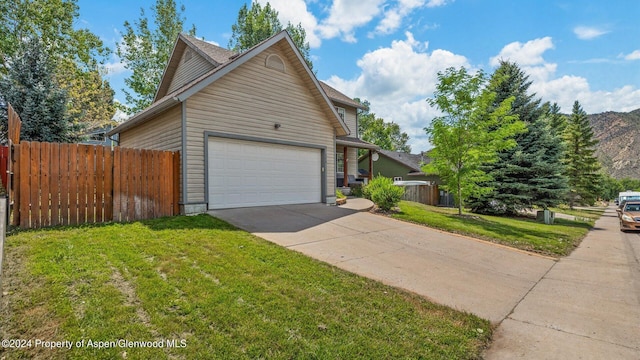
column 586, row 307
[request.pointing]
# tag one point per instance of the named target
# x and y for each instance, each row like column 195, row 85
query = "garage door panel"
column 246, row 173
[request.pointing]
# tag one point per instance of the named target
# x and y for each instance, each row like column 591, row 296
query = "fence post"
column 176, row 183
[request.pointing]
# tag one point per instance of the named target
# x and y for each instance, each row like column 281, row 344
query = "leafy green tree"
column 582, row 166
column 258, row 23
column 30, row 88
column 145, row 50
column 531, row 173
column 629, row 184
column 470, row 133
column 376, row 131
column 77, row 55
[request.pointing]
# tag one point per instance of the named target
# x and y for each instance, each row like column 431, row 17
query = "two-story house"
column 254, row 128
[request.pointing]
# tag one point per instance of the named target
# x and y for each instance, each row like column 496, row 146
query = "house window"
column 188, row 55
column 275, row 62
column 340, row 112
column 340, row 162
column 98, row 137
column 397, row 178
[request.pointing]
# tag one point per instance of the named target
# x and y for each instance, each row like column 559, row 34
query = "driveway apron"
column 486, row 279
column 586, row 307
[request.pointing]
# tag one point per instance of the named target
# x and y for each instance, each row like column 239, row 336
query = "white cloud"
column 564, row 89
column 296, row 12
column 393, row 17
column 436, row 3
column 635, row 55
column 115, row 67
column 588, row 33
column 529, row 53
column 347, row 15
column 397, row 80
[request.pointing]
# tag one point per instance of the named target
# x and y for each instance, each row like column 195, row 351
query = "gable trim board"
column 314, row 192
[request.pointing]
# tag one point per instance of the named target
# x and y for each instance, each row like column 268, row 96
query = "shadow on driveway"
column 281, row 219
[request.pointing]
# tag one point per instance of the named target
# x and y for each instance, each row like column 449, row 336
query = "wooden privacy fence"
column 424, row 194
column 68, row 184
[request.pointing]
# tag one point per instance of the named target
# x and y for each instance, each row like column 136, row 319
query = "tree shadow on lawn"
column 539, row 240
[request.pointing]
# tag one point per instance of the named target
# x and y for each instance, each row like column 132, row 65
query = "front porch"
column 347, row 171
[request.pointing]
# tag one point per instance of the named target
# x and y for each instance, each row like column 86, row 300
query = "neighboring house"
column 99, row 137
column 255, row 128
column 399, row 166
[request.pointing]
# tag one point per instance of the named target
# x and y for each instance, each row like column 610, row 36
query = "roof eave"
column 145, row 115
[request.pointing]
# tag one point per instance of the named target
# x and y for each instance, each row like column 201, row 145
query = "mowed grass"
column 523, row 233
column 226, row 293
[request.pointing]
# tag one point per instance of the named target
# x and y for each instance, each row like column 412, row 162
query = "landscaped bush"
column 340, row 195
column 356, row 189
column 383, row 193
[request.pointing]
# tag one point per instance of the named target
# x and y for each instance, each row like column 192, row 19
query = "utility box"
column 546, row 216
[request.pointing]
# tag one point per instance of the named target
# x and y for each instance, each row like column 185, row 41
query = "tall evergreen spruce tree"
column 31, row 90
column 530, row 174
column 582, row 166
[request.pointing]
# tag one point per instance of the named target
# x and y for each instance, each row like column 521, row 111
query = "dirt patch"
column 131, row 299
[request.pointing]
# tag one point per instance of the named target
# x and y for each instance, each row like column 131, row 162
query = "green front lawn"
column 558, row 239
column 218, row 291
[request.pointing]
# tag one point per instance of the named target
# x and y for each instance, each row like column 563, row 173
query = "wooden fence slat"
column 25, row 179
column 45, row 193
column 117, row 184
column 73, row 184
column 99, row 192
column 91, row 184
column 34, row 183
column 65, row 179
column 54, row 183
column 109, row 168
column 15, row 185
column 144, row 184
column 133, row 159
column 175, row 189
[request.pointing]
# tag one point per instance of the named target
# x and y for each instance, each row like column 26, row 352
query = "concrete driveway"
column 584, row 306
column 475, row 276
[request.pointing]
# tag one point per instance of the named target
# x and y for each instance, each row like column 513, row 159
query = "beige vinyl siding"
column 249, row 101
column 164, row 132
column 350, row 120
column 190, row 70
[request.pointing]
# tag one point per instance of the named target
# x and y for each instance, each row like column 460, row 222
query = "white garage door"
column 249, row 173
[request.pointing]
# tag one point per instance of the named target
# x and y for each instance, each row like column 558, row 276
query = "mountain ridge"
column 618, row 149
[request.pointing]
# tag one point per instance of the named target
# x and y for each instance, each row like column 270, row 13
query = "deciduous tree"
column 259, row 23
column 470, row 133
column 145, row 50
column 30, row 88
column 76, row 55
column 375, row 130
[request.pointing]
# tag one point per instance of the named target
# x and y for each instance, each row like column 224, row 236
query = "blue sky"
column 390, row 51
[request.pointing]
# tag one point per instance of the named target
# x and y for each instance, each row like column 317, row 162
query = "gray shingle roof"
column 337, row 96
column 412, row 161
column 216, row 53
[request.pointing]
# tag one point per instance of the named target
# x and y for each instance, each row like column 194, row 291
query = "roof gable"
column 210, row 53
column 165, row 100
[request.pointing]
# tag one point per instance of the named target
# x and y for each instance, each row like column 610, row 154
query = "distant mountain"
column 619, row 148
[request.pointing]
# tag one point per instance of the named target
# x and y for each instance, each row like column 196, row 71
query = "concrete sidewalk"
column 475, row 276
column 586, row 307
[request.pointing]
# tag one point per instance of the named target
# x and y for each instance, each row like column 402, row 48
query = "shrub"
column 383, row 193
column 340, row 195
column 356, row 189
